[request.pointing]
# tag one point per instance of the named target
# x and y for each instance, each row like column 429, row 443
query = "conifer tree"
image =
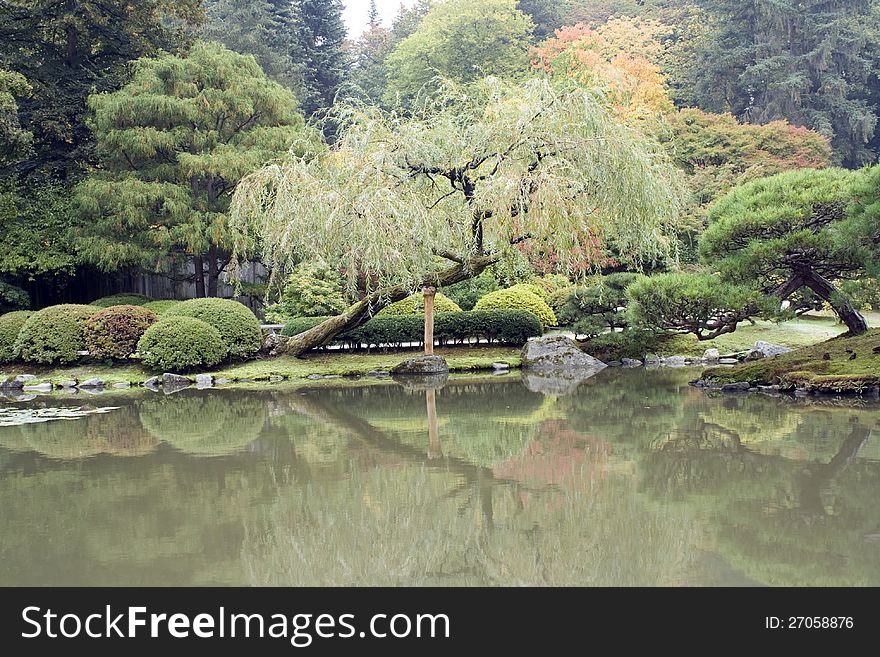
column 320, row 33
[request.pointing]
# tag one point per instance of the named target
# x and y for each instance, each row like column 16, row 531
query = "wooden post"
column 434, row 451
column 429, row 293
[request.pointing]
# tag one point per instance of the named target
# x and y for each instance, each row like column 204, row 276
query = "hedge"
column 114, row 332
column 54, row 334
column 238, row 326
column 178, row 344
column 503, row 326
column 518, row 299
column 123, row 299
column 161, row 307
column 10, row 325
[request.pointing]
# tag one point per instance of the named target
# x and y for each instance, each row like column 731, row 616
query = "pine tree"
column 373, row 19
column 320, row 33
column 173, row 144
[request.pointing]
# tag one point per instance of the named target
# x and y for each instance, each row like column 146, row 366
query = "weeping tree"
column 432, row 198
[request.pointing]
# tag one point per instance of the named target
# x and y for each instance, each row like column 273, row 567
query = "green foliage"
column 630, row 343
column 161, row 307
column 13, row 298
column 114, row 331
column 15, row 142
column 858, row 235
column 320, row 47
column 467, row 293
column 545, row 14
column 237, row 325
column 591, row 310
column 122, row 299
column 173, row 143
column 537, row 290
column 177, row 344
column 512, row 327
column 520, row 299
column 54, row 334
column 415, row 305
column 10, row 325
column 312, row 289
column 701, row 304
column 463, row 40
column 864, row 292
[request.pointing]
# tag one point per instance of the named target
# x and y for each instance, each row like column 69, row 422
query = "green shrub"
column 864, row 292
column 161, row 307
column 518, row 299
column 594, row 309
column 551, row 283
column 114, row 332
column 535, row 289
column 631, row 343
column 467, row 293
column 237, row 325
column 123, row 299
column 177, row 344
column 415, row 305
column 10, row 325
column 556, row 300
column 311, row 290
column 502, row 326
column 54, row 334
column 13, row 298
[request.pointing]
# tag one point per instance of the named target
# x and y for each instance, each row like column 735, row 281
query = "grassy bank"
column 842, row 364
column 324, row 364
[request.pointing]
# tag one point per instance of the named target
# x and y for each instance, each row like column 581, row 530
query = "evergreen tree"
column 373, row 19
column 545, row 14
column 320, row 34
column 173, row 144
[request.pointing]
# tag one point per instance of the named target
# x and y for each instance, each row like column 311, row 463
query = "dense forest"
column 125, row 127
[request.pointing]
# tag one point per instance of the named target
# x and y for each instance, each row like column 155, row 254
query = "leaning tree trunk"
column 848, row 313
column 364, row 309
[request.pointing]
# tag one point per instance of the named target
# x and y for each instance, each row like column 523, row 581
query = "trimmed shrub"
column 123, row 299
column 10, row 325
column 313, row 289
column 114, row 332
column 161, row 307
column 415, row 305
column 518, row 299
column 535, row 289
column 177, row 344
column 237, row 325
column 54, row 334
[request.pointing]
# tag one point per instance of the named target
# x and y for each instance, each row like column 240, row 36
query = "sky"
column 356, row 13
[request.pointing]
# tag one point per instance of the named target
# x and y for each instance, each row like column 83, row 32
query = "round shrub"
column 177, row 344
column 513, row 299
column 535, row 289
column 238, row 326
column 10, row 325
column 54, row 334
column 415, row 305
column 123, row 299
column 114, row 332
column 161, row 307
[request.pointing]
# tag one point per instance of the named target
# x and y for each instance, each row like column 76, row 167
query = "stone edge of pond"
column 776, row 390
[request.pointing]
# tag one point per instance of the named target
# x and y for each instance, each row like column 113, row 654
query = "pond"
column 633, row 479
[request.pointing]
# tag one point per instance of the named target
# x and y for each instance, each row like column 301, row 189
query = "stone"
column 614, row 363
column 67, row 384
column 327, row 376
column 421, row 365
column 675, row 361
column 314, row 377
column 175, row 379
column 40, row 387
column 652, row 359
column 728, row 361
column 736, row 387
column 23, row 378
column 631, row 362
column 222, row 381
column 422, row 382
column 276, row 378
column 92, row 391
column 204, row 381
column 271, row 342
column 122, row 385
column 152, row 382
column 558, row 352
column 765, row 350
column 711, row 354
column 500, row 366
column 92, row 383
column 555, row 383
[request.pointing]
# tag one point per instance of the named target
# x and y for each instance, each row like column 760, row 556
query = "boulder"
column 40, row 387
column 614, row 363
column 736, row 387
column 152, row 383
column 122, row 385
column 67, row 384
column 422, row 381
column 675, row 361
column 765, row 350
column 175, row 379
column 558, row 352
column 500, row 366
column 555, row 382
column 92, row 383
column 421, row 365
column 711, row 354
column 631, row 362
column 652, row 359
column 204, row 381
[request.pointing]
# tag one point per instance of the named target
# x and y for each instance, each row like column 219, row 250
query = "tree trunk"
column 213, row 274
column 428, row 294
column 848, row 314
column 364, row 309
column 199, row 266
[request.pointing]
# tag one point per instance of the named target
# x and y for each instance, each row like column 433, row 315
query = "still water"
column 632, row 479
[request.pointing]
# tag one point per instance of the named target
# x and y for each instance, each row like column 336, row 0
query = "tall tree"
column 173, row 143
column 462, row 40
column 545, row 14
column 262, row 28
column 804, row 62
column 320, row 34
column 373, row 19
column 15, row 141
column 464, row 179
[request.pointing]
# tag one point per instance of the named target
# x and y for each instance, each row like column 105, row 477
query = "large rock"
column 555, row 382
column 558, row 352
column 765, row 350
column 675, row 361
column 422, row 381
column 421, row 365
column 711, row 354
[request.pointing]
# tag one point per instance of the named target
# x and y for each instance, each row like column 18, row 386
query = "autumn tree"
column 173, row 144
column 463, row 180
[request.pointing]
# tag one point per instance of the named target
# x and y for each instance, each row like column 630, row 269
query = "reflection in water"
column 631, row 479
